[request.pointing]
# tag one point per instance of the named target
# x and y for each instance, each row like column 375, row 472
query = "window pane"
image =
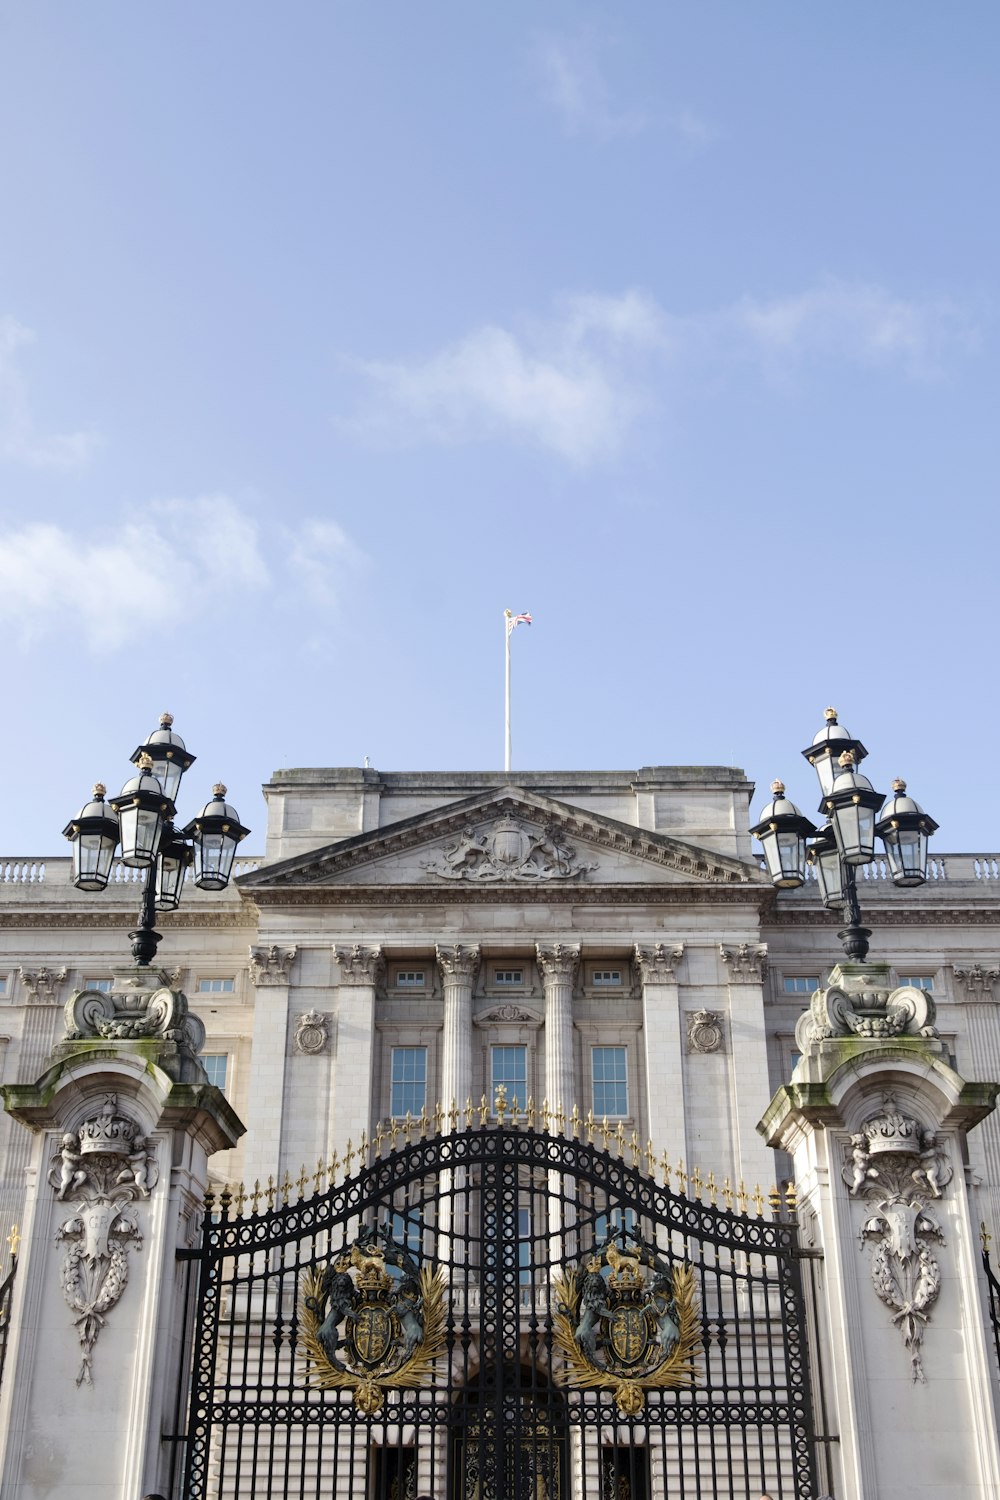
column 104, row 985
column 412, row 979
column 216, row 986
column 409, row 1081
column 216, row 1066
column 610, row 1081
column 918, row 981
column 612, row 1223
column 607, row 976
column 510, row 1067
column 798, row 985
column 508, row 976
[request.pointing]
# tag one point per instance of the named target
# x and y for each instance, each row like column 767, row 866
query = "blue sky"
column 327, row 331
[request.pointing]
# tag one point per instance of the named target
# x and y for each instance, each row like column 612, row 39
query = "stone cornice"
column 519, row 895
column 122, row 921
column 909, row 916
column 607, row 833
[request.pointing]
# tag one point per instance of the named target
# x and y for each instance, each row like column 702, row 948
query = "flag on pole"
column 511, row 622
column 515, row 620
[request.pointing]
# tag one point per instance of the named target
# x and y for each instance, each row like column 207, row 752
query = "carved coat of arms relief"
column 507, row 849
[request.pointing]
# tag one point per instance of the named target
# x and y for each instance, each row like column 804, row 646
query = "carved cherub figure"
column 929, row 1170
column 860, row 1160
column 137, row 1167
column 69, row 1174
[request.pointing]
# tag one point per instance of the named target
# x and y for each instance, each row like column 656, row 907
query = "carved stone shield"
column 628, row 1334
column 509, row 844
column 373, row 1333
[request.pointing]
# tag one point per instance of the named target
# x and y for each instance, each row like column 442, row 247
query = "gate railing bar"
column 823, row 1437
column 993, row 1289
column 6, row 1297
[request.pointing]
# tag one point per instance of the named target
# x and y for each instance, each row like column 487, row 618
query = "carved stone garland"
column 101, row 1169
column 895, row 1165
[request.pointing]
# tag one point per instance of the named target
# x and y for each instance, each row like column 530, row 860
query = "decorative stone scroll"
column 360, row 964
column 271, row 965
column 705, row 1031
column 312, row 1032
column 747, row 963
column 142, row 1006
column 506, row 849
column 658, row 962
column 101, row 1169
column 41, row 985
column 896, row 1164
column 862, row 1004
column 977, row 982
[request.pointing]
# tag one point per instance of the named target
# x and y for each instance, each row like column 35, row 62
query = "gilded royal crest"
column 372, row 1319
column 627, row 1322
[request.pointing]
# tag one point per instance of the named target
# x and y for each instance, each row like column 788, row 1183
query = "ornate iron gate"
column 498, row 1313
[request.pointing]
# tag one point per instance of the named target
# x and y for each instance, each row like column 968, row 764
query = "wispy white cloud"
column 572, row 84
column 567, row 385
column 574, row 384
column 854, row 321
column 22, row 439
column 207, row 553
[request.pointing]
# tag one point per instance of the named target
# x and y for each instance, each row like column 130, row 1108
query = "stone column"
column 560, row 964
column 875, row 1119
column 354, row 1109
column 270, row 973
column 118, row 1165
column 661, row 1030
column 746, row 966
column 44, row 991
column 975, row 986
column 459, row 967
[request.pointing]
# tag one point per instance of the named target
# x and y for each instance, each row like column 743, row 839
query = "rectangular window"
column 216, row 1065
column 410, row 979
column 607, row 977
column 610, row 1081
column 509, row 1066
column 508, row 976
column 104, row 985
column 216, row 986
column 612, row 1223
column 797, row 984
column 406, row 1231
column 3, row 984
column 408, row 1093
column 918, row 981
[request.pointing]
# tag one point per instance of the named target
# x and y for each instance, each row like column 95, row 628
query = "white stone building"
column 599, row 947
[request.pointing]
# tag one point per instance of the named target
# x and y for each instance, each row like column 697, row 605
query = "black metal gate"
column 498, row 1313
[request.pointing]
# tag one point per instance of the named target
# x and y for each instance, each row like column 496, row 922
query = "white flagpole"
column 506, row 699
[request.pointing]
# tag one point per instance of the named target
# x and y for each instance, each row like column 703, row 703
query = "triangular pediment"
column 510, row 839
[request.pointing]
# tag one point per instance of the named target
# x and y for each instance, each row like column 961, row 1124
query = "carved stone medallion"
column 704, row 1031
column 312, row 1032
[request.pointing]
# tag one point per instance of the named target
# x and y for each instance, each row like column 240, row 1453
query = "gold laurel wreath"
column 369, row 1387
column 678, row 1369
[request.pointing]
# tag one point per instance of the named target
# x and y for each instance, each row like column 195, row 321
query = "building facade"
column 590, row 956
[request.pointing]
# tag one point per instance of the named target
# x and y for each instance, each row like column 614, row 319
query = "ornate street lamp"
column 851, row 806
column 141, row 818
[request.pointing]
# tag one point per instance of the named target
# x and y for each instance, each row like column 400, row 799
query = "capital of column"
column 747, row 964
column 271, row 965
column 41, row 985
column 558, row 960
column 359, row 964
column 658, row 962
column 977, row 982
column 459, row 962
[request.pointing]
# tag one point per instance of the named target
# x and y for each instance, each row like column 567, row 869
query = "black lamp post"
column 851, row 805
column 141, row 819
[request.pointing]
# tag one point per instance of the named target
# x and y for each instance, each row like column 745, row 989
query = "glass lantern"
column 169, row 758
column 904, row 828
column 783, row 831
column 852, row 806
column 827, row 746
column 172, row 864
column 824, row 856
column 142, row 809
column 94, row 835
column 215, row 833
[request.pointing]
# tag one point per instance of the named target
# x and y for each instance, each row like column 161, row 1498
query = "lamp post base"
column 855, row 941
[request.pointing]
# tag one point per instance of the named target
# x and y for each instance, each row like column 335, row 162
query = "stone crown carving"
column 507, row 849
column 271, row 965
column 658, row 962
column 746, row 963
column 142, row 1006
column 360, row 964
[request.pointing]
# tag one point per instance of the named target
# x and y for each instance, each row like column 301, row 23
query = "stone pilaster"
column 746, row 967
column 976, row 987
column 43, row 1001
column 560, row 964
column 875, row 1119
column 362, row 967
column 270, row 970
column 661, row 1030
column 459, row 967
column 119, row 1166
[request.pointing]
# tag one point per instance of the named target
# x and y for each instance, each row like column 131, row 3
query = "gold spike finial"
column 14, row 1240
